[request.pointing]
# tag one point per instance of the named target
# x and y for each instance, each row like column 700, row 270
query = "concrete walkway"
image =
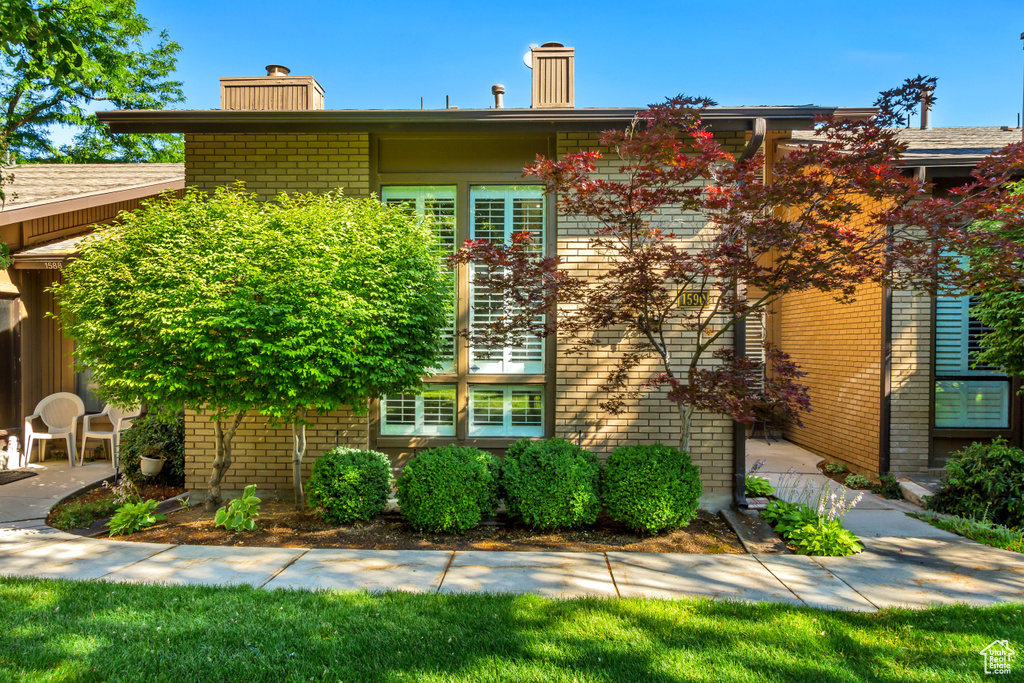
column 906, row 562
column 32, row 498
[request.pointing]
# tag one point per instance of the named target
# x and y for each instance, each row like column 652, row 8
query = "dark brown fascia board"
column 433, row 120
column 56, row 206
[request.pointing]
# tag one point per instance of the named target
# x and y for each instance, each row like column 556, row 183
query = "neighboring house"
column 49, row 209
column 464, row 166
column 892, row 387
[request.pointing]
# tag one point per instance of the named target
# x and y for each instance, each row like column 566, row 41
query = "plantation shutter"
column 965, row 397
column 438, row 205
column 497, row 213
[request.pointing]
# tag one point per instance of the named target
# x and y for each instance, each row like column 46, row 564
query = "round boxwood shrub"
column 651, row 488
column 348, row 484
column 154, row 435
column 450, row 488
column 984, row 481
column 549, row 484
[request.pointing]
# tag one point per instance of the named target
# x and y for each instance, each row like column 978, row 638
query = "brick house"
column 464, row 167
column 890, row 376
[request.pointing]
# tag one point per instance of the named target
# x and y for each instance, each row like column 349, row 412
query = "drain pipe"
column 739, row 348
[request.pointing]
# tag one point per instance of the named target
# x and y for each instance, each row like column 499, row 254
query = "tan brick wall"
column 839, row 346
column 270, row 163
column 911, row 387
column 262, row 455
column 579, row 377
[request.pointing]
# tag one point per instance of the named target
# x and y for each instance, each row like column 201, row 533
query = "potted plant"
column 151, row 463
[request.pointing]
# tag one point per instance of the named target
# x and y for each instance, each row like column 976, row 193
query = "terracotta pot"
column 151, row 466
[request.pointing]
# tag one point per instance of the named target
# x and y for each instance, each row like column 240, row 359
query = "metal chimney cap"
column 552, row 45
column 277, row 70
column 497, row 89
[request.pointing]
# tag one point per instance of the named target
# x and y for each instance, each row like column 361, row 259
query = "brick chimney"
column 553, row 76
column 276, row 91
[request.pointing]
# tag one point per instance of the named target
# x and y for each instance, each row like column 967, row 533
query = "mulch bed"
column 839, row 477
column 158, row 492
column 280, row 525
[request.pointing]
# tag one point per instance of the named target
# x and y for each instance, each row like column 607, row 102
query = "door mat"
column 14, row 475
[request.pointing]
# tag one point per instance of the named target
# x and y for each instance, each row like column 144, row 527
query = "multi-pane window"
column 488, row 406
column 965, row 396
column 438, row 205
column 506, row 410
column 497, row 213
column 430, row 413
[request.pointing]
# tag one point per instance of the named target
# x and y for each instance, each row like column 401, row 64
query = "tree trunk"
column 298, row 452
column 686, row 417
column 222, row 459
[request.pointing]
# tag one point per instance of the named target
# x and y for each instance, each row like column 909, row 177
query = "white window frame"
column 420, row 428
column 507, row 429
column 417, row 196
column 508, row 363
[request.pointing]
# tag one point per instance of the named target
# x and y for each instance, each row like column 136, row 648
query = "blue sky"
column 384, row 55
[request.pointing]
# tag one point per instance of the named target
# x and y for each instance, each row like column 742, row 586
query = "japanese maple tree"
column 834, row 215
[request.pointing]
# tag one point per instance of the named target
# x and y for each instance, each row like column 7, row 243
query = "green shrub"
column 78, row 515
column 153, row 436
column 888, row 487
column 995, row 535
column 241, row 513
column 835, row 467
column 131, row 517
column 857, row 481
column 651, row 488
column 349, row 484
column 986, row 482
column 450, row 488
column 550, row 484
column 824, row 537
column 758, row 487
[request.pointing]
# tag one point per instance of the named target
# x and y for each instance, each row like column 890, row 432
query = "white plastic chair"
column 120, row 420
column 60, row 413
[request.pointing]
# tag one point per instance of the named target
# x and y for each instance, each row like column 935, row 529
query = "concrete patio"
column 32, row 498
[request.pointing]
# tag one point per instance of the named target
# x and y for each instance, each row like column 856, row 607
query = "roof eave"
column 434, row 121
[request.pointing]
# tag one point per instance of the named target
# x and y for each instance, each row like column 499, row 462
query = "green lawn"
column 92, row 631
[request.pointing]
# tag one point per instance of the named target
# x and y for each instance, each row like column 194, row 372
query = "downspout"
column 739, row 348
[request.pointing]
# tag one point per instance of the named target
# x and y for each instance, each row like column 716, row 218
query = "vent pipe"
column 498, row 90
column 277, row 70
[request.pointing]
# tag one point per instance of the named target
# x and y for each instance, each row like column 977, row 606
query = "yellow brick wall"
column 262, row 455
column 579, row 377
column 839, row 347
column 911, row 386
column 270, row 163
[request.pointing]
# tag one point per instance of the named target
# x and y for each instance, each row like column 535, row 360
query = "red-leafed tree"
column 836, row 214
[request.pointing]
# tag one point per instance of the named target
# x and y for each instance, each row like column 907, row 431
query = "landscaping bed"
column 280, row 525
column 86, row 507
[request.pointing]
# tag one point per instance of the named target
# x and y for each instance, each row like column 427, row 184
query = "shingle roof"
column 59, row 248
column 960, row 146
column 40, row 183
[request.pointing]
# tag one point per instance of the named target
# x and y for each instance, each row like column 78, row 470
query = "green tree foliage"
column 227, row 304
column 58, row 57
column 1002, row 311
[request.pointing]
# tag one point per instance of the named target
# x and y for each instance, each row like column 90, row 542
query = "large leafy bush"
column 155, row 436
column 549, row 484
column 651, row 488
column 349, row 484
column 984, row 481
column 450, row 488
